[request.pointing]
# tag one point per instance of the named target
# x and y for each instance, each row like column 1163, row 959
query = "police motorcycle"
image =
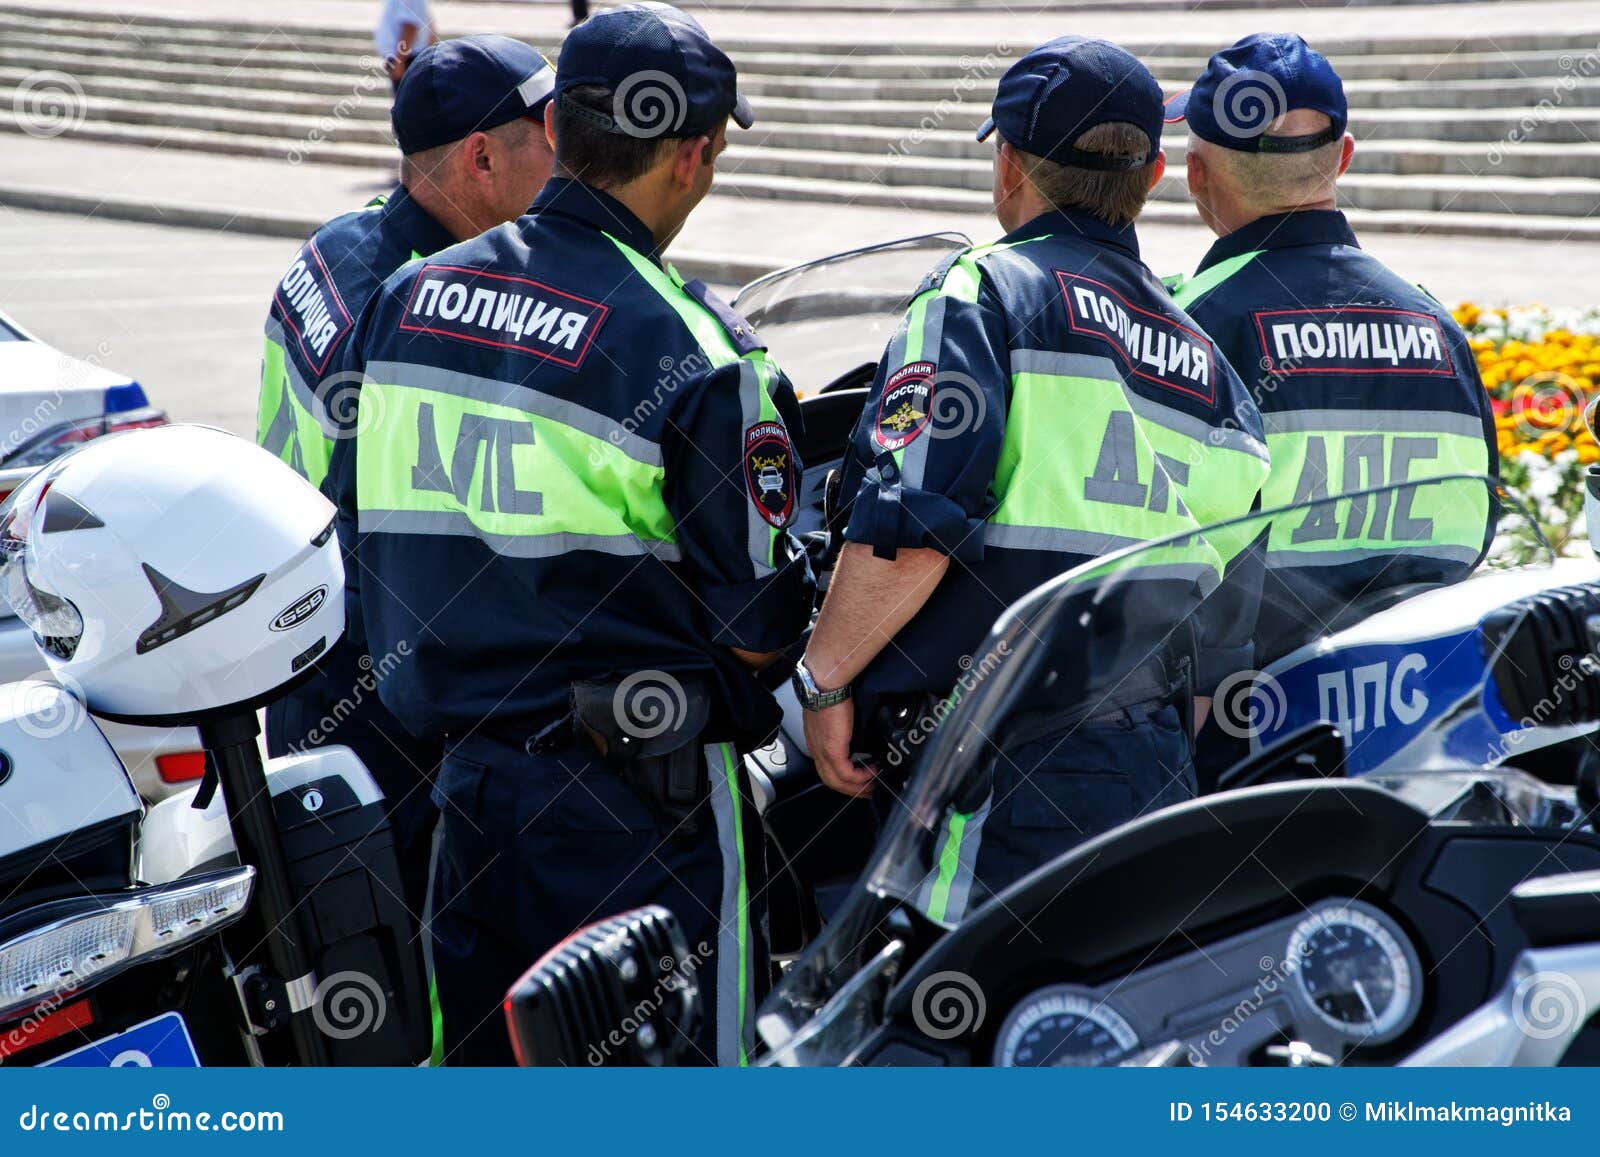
column 1320, row 908
column 180, row 575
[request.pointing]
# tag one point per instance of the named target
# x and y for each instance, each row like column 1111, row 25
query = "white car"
column 49, row 403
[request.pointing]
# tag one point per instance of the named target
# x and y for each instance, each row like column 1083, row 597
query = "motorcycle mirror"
column 618, row 993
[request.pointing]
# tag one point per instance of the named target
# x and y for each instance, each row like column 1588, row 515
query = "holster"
column 890, row 734
column 661, row 762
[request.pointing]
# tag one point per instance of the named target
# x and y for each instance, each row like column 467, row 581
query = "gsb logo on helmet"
column 300, row 610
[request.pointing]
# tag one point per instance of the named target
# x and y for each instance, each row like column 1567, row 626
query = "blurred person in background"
column 469, row 119
column 405, row 28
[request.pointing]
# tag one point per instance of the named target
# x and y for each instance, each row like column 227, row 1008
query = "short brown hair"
column 1114, row 197
column 1278, row 180
column 589, row 153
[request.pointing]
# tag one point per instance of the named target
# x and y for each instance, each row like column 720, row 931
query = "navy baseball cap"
column 1244, row 89
column 665, row 77
column 467, row 85
column 1064, row 88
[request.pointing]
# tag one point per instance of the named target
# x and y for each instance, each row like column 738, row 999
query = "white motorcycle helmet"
column 173, row 574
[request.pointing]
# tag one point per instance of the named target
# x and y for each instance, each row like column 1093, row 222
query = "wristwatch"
column 812, row 697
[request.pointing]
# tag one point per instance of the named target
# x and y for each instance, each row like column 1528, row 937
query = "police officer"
column 1043, row 402
column 1362, row 378
column 469, row 121
column 568, row 496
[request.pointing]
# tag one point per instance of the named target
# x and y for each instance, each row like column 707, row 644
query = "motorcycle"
column 1299, row 916
column 255, row 919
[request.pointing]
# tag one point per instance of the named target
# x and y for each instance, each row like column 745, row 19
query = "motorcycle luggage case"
column 372, row 994
column 69, row 814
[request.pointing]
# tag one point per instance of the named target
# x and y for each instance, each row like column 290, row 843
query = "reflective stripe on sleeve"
column 734, row 964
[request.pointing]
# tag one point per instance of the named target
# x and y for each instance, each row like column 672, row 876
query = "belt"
column 1146, row 688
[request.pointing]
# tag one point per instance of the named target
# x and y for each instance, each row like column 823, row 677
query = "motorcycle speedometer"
column 1355, row 971
column 1063, row 1025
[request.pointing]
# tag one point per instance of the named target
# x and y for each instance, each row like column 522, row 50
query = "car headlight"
column 73, row 944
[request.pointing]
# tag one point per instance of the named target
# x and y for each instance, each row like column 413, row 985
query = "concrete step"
column 835, row 43
column 303, row 132
column 369, row 99
column 962, row 78
column 1400, row 156
column 221, row 55
column 235, row 144
column 1559, row 124
column 1569, row 196
column 298, row 80
column 1174, row 69
column 1536, row 227
column 979, row 87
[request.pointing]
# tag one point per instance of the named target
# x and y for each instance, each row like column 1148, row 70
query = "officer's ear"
column 1194, row 169
column 1347, row 152
column 550, row 124
column 1159, row 169
column 690, row 156
column 475, row 154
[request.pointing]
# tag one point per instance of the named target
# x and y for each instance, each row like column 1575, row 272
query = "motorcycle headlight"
column 74, row 944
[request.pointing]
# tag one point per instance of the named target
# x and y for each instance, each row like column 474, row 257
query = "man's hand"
column 828, row 735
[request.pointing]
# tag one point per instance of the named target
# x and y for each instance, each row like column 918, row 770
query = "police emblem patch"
column 769, row 471
column 905, row 407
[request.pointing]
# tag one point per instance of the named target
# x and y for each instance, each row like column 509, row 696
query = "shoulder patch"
column 906, row 406
column 312, row 307
column 769, row 471
column 497, row 309
column 1352, row 339
column 1153, row 346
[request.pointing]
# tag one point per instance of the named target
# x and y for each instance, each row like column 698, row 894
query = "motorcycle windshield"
column 1097, row 646
column 827, row 319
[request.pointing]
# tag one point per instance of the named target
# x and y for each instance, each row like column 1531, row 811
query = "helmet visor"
column 45, row 613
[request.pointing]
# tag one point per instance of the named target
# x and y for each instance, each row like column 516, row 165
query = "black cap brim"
column 985, row 129
column 743, row 115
